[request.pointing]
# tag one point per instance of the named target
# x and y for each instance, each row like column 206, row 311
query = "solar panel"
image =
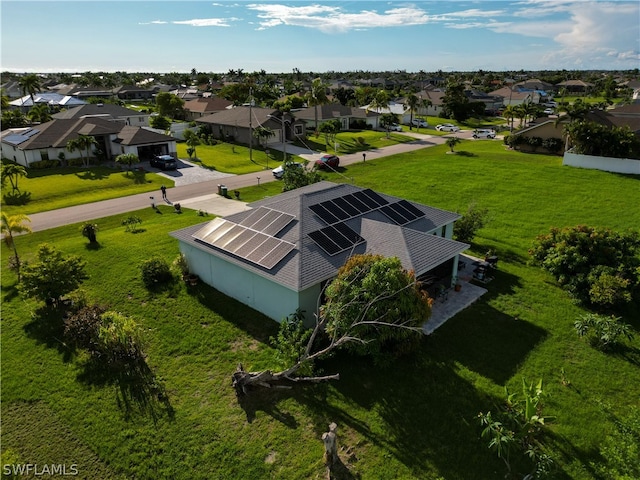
column 240, row 240
column 325, row 215
column 278, row 253
column 366, row 200
column 335, row 238
column 379, row 200
column 393, row 215
column 402, row 212
column 267, row 220
column 336, row 210
column 358, row 204
column 412, row 208
column 344, row 204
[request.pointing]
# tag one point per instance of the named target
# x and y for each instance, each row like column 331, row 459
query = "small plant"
column 202, row 213
column 155, row 271
column 472, row 220
column 132, row 223
column 89, row 230
column 452, row 142
column 602, row 331
column 181, row 264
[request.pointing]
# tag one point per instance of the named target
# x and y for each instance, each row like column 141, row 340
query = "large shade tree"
column 373, row 306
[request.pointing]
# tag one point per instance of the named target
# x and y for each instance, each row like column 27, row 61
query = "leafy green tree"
column 590, row 138
column 89, row 230
column 170, row 105
column 296, row 177
column 471, row 221
column 127, row 159
column 386, row 120
column 330, row 130
column 39, row 113
column 13, row 118
column 160, row 122
column 14, row 224
column 263, row 133
column 379, row 102
column 12, row 172
column 346, row 96
column 373, row 305
column 584, row 259
column 369, row 294
column 53, row 276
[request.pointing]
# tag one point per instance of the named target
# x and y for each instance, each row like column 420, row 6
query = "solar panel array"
column 259, row 247
column 338, row 237
column 348, row 206
column 402, row 212
column 335, row 238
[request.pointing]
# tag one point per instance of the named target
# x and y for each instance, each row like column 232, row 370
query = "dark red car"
column 328, row 161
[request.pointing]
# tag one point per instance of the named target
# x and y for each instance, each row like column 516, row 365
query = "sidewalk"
column 203, row 195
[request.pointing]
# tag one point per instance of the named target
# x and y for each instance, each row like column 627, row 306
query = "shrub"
column 119, row 341
column 155, row 271
column 602, row 331
column 81, row 329
column 42, row 164
column 132, row 223
column 534, row 142
column 472, row 220
column 553, row 144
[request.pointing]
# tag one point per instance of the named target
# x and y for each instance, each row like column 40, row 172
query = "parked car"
column 484, row 133
column 394, row 127
column 549, row 111
column 279, row 171
column 447, row 127
column 328, row 161
column 164, row 162
column 418, row 122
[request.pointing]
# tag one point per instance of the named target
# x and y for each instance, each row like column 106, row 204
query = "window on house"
column 297, row 130
column 44, row 155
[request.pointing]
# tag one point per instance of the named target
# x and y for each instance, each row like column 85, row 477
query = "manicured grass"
column 413, row 419
column 65, row 187
column 350, row 142
column 231, row 158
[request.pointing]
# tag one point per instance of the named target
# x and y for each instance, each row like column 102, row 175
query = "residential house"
column 238, row 124
column 85, row 92
column 52, row 99
column 48, row 140
column 513, row 96
column 575, row 86
column 108, row 111
column 201, row 107
column 133, row 93
column 332, row 111
column 278, row 256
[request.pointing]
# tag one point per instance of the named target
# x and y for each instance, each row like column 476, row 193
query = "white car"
column 394, row 127
column 417, row 122
column 484, row 133
column 279, row 171
column 447, row 127
column 549, row 111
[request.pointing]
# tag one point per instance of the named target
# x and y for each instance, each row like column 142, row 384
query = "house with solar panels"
column 278, row 256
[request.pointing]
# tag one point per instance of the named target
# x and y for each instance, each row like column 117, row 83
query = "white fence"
column 608, row 164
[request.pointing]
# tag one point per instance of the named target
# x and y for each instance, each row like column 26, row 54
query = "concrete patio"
column 445, row 308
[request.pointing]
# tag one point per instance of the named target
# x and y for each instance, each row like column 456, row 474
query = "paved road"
column 203, row 194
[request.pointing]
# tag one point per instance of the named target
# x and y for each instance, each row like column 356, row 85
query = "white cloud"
column 154, row 22
column 206, row 22
column 332, row 18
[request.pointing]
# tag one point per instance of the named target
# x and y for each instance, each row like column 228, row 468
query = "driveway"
column 189, row 173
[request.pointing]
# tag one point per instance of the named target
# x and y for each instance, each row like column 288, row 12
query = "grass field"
column 413, row 419
column 65, row 187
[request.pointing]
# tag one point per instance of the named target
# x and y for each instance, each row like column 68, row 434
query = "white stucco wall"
column 608, row 164
column 272, row 299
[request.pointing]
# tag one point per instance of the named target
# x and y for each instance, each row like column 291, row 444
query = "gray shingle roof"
column 308, row 264
column 98, row 109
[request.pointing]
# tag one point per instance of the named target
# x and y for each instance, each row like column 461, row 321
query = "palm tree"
column 30, row 85
column 12, row 171
column 317, row 95
column 510, row 113
column 39, row 113
column 412, row 103
column 192, row 140
column 452, row 142
column 82, row 143
column 14, row 224
column 127, row 159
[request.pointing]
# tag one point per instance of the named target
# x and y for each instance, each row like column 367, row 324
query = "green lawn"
column 414, row 419
column 65, row 187
column 231, row 158
column 355, row 141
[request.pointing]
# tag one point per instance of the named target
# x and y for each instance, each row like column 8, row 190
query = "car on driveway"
column 164, row 162
column 484, row 133
column 418, row 122
column 330, row 162
column 447, row 127
column 394, row 127
column 279, row 171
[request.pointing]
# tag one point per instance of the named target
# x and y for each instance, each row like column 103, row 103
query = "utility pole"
column 250, row 124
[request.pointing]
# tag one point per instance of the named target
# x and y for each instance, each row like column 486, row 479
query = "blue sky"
column 318, row 36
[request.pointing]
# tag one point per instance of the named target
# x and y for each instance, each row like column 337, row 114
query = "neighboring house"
column 575, row 86
column 12, row 89
column 534, row 84
column 108, row 111
column 85, row 92
column 54, row 100
column 545, row 128
column 201, row 107
column 133, row 92
column 46, row 141
column 238, row 124
column 278, row 256
column 332, row 111
column 513, row 96
column 395, row 107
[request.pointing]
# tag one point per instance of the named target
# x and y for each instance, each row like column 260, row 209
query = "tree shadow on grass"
column 465, row 153
column 137, row 389
column 267, row 400
column 17, row 198
column 93, row 174
column 47, row 327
